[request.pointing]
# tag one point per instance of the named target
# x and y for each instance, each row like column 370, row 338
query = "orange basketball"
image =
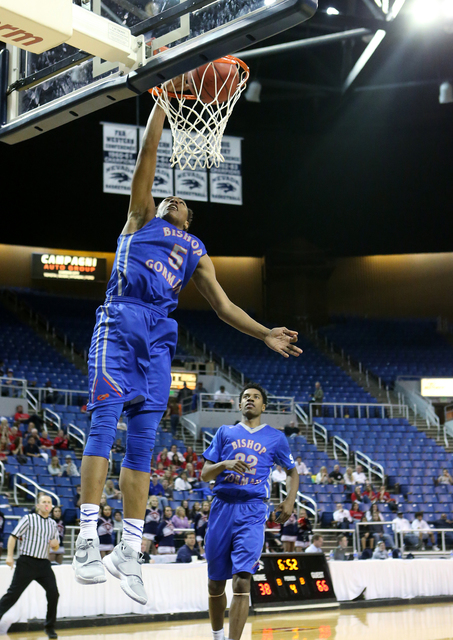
column 215, row 81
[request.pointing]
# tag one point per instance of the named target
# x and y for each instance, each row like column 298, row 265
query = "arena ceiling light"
column 426, row 12
column 447, row 9
column 331, row 11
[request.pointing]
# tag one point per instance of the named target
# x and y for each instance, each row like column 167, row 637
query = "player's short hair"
column 254, row 385
column 189, row 216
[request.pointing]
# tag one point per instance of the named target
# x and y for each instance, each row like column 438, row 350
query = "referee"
column 35, row 531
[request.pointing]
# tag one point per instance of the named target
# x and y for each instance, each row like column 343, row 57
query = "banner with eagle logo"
column 120, row 156
column 226, row 180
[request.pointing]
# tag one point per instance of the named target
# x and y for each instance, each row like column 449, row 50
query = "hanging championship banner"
column 192, row 185
column 163, row 185
column 226, row 180
column 120, row 156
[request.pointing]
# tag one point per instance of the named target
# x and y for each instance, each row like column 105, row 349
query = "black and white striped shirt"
column 35, row 533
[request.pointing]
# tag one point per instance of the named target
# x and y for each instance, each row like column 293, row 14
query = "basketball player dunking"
column 130, row 357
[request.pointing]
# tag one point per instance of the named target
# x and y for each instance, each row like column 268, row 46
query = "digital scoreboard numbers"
column 292, row 581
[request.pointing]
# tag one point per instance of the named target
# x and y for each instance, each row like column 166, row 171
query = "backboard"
column 39, row 92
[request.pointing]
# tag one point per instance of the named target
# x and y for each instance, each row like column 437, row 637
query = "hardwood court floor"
column 420, row 622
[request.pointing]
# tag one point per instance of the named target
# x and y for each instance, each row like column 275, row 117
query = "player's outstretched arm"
column 279, row 339
column 211, row 470
column 286, row 508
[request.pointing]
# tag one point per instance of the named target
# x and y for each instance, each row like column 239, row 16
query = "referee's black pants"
column 27, row 570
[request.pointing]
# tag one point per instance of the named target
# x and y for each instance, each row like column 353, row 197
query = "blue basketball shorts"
column 235, row 537
column 130, row 355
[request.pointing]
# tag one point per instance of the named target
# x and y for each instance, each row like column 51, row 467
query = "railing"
column 301, row 502
column 49, row 412
column 301, row 414
column 32, row 401
column 421, row 406
column 2, row 475
column 342, row 408
column 340, row 445
column 77, row 433
column 370, row 465
column 16, row 387
column 190, row 426
column 37, row 489
column 400, row 535
column 320, row 432
column 275, row 404
column 207, row 439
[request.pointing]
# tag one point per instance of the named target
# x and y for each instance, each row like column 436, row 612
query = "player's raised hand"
column 281, row 340
column 237, row 465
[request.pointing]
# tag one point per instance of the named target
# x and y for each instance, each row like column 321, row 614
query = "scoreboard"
column 292, row 581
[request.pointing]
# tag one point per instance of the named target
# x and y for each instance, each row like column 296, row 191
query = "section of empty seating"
column 286, row 377
column 394, row 347
column 33, row 359
column 409, row 457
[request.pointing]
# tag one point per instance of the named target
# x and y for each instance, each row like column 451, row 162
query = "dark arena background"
column 343, row 232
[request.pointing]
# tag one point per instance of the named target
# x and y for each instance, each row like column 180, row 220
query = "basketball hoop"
column 196, row 124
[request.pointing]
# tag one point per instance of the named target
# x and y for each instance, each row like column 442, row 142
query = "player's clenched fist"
column 236, row 465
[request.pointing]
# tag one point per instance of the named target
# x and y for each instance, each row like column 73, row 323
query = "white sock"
column 89, row 514
column 218, row 635
column 132, row 533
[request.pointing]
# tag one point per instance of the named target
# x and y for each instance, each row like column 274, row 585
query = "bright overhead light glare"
column 425, row 11
column 331, row 11
column 445, row 93
column 267, row 3
column 447, row 9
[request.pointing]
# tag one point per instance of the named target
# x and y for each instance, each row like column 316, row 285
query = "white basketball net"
column 198, row 127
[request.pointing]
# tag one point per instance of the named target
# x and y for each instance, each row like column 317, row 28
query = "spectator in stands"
column 376, row 528
column 358, row 475
column 380, row 552
column 384, row 497
column 20, row 416
column 13, row 433
column 56, row 555
column 370, row 493
column 200, row 523
column 222, row 399
column 103, row 500
column 111, row 491
column 401, row 525
column 317, row 399
column 445, row 523
column 271, row 538
column 31, row 449
column 118, row 447
column 122, row 424
column 4, row 447
column 4, row 426
column 335, row 476
column 168, row 489
column 160, row 470
column 445, row 477
column 173, row 413
column 163, row 457
column 185, row 505
column 291, row 429
column 185, row 398
column 196, row 508
column 9, row 388
column 165, row 535
column 153, row 517
column 301, row 467
column 180, row 520
column 182, row 483
column 316, row 544
column 357, row 496
column 341, row 517
column 54, row 467
column 348, row 479
column 340, row 552
column 46, row 443
column 196, row 402
column 175, row 456
column 366, row 539
column 117, row 526
column 156, row 489
column 355, row 512
column 192, row 477
column 191, row 452
column 304, row 531
column 105, row 530
column 61, row 442
column 78, row 496
column 423, row 530
column 322, row 477
column 188, row 552
column 289, row 533
column 70, row 467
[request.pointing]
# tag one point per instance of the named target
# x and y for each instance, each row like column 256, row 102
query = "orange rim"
column 189, row 96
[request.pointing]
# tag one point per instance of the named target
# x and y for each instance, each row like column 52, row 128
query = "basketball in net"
column 198, row 119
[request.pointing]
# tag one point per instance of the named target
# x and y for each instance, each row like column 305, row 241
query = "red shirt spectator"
column 13, row 434
column 20, row 416
column 355, row 512
column 164, row 459
column 384, row 495
column 372, row 495
column 61, row 441
column 191, row 452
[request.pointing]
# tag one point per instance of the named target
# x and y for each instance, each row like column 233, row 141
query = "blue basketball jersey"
column 261, row 448
column 154, row 264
